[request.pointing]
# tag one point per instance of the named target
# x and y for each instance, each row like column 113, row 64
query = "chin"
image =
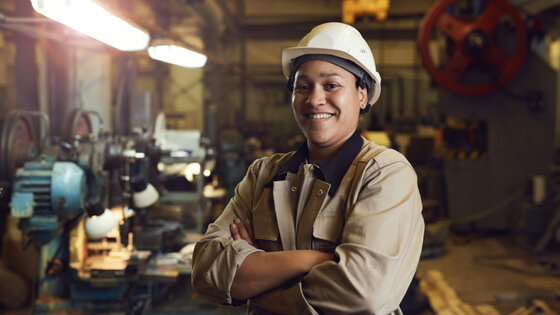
column 320, row 141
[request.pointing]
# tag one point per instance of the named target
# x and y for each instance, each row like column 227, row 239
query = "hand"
column 273, row 301
column 240, row 231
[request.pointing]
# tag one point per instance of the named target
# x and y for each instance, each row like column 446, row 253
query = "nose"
column 316, row 97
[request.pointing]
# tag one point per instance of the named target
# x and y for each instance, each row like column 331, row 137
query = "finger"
column 249, row 227
column 243, row 231
column 239, row 226
column 234, row 232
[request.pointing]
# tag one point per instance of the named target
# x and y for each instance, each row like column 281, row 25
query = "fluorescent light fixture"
column 174, row 53
column 89, row 18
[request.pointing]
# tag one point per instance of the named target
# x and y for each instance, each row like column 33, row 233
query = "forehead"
column 321, row 68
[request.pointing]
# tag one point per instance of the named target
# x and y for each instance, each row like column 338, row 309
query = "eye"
column 331, row 86
column 301, row 87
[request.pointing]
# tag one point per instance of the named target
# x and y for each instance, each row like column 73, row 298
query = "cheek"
column 352, row 113
column 349, row 102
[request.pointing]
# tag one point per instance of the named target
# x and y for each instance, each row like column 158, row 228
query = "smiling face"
column 326, row 104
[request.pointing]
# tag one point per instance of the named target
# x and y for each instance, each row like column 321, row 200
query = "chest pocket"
column 327, row 229
column 265, row 227
column 327, row 233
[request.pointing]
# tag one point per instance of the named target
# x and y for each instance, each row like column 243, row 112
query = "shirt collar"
column 334, row 168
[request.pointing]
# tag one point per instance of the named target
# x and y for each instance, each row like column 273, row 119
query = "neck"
column 319, row 154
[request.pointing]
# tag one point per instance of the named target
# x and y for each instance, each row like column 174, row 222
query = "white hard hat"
column 339, row 40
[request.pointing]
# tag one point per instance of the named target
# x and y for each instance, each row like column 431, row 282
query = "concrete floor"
column 471, row 267
column 508, row 283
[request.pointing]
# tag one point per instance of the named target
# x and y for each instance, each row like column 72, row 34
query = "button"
column 320, row 192
column 294, row 188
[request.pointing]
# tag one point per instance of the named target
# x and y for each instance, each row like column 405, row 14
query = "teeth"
column 320, row 116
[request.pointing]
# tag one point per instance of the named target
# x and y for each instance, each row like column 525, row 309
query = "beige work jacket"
column 373, row 221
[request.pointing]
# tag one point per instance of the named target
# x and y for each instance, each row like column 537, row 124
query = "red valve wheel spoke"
column 489, row 18
column 456, row 66
column 451, row 26
column 498, row 58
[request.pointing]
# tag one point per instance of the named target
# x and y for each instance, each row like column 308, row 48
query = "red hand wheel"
column 18, row 143
column 474, row 43
column 80, row 124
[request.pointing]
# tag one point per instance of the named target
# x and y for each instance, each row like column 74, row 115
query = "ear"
column 362, row 96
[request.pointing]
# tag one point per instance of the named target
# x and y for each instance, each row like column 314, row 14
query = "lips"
column 319, row 116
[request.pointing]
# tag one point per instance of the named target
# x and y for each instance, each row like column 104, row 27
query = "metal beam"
column 295, row 31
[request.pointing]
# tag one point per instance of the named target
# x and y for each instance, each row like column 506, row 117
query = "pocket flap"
column 328, row 228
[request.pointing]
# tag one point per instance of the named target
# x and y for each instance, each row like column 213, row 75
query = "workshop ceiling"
column 288, row 19
column 291, row 19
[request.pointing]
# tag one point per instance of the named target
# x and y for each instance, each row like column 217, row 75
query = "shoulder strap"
column 369, row 152
column 354, row 190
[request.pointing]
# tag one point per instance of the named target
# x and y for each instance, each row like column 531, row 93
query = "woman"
column 334, row 227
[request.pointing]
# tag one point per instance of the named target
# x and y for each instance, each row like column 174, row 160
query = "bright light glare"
column 177, row 55
column 206, row 173
column 191, row 170
column 91, row 19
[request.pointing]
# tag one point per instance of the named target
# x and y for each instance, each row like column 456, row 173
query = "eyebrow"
column 322, row 75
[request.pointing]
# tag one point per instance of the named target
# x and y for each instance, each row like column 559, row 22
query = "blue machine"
column 46, row 195
column 53, row 187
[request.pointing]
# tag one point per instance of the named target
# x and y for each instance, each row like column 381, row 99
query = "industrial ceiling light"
column 172, row 52
column 89, row 18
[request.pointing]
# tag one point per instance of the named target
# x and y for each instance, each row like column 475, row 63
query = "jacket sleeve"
column 216, row 256
column 379, row 252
